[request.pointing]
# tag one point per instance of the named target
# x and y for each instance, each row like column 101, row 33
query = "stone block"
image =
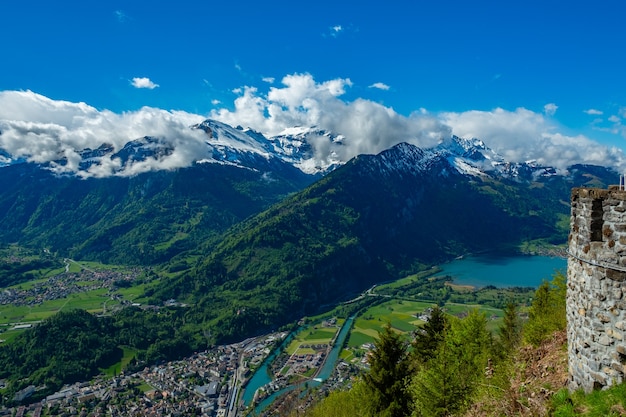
column 617, row 367
column 604, row 340
column 594, row 365
column 598, row 377
column 597, row 327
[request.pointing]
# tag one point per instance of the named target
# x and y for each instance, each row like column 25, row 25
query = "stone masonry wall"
column 596, row 288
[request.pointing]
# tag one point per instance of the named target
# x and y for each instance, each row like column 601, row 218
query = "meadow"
column 313, row 334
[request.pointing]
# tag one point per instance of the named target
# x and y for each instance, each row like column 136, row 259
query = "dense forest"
column 76, row 345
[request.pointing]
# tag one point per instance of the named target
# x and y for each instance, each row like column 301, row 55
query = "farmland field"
column 314, row 334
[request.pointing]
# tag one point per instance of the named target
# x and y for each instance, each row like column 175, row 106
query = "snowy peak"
column 297, row 145
column 221, row 136
column 311, row 150
column 456, row 156
column 405, row 159
column 473, row 149
column 141, row 149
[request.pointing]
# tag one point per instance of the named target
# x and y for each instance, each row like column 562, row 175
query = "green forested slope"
column 360, row 225
column 145, row 219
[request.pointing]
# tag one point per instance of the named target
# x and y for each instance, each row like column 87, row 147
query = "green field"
column 313, row 334
column 133, row 294
column 115, row 369
column 91, row 301
column 402, row 282
column 402, row 316
column 9, row 335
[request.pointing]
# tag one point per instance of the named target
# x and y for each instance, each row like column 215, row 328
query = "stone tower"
column 596, row 288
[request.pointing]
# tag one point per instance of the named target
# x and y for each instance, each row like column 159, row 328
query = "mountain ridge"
column 216, row 142
column 102, row 217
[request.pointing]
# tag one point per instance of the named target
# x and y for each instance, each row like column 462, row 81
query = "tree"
column 352, row 403
column 427, row 340
column 437, row 389
column 388, row 377
column 447, row 382
column 547, row 312
column 509, row 331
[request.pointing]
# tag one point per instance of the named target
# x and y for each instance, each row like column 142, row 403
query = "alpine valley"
column 260, row 233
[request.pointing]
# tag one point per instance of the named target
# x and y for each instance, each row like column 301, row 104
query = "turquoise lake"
column 503, row 270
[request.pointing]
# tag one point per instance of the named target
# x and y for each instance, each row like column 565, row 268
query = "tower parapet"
column 596, row 288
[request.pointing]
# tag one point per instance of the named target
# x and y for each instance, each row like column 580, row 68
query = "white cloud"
column 523, row 135
column 367, row 127
column 45, row 130
column 41, row 130
column 550, row 109
column 269, row 80
column 334, row 31
column 614, row 119
column 215, row 102
column 121, row 16
column 143, row 82
column 593, row 112
column 380, row 86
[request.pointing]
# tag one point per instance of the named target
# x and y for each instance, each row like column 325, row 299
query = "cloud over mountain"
column 41, row 129
column 523, row 135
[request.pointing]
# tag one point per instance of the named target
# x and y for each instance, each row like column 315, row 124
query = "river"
column 479, row 271
column 503, row 270
column 261, row 376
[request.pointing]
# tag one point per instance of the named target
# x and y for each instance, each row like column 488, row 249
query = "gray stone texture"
column 596, row 282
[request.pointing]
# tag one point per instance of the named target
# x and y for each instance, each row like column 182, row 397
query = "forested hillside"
column 364, row 223
column 146, row 219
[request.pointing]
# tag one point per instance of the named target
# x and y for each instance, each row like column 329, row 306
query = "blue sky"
column 470, row 65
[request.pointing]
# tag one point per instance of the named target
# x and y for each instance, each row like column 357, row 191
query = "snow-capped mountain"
column 469, row 157
column 296, row 146
column 473, row 157
column 216, row 176
column 311, row 150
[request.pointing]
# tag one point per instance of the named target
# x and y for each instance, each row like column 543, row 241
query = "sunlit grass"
column 115, row 369
column 607, row 403
column 91, row 301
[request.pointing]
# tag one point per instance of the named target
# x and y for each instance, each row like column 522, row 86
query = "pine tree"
column 547, row 313
column 447, row 382
column 438, row 389
column 428, row 339
column 510, row 329
column 388, row 376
